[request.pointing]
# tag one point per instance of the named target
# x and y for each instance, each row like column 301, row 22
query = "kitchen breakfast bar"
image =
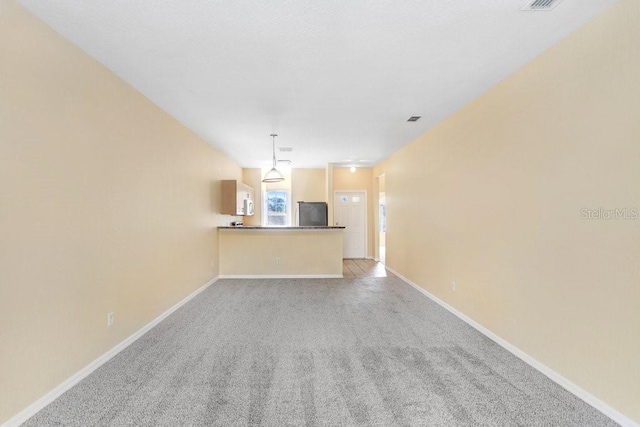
column 270, row 252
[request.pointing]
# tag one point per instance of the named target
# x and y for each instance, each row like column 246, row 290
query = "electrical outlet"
column 453, row 286
column 110, row 318
column 277, row 261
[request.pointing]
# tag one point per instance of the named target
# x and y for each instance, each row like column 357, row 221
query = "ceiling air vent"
column 286, row 149
column 541, row 5
column 414, row 118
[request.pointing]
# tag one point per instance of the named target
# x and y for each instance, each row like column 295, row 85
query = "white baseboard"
column 550, row 373
column 281, row 276
column 39, row 404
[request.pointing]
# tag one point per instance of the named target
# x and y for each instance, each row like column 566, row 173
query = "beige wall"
column 308, row 185
column 498, row 189
column 106, row 204
column 300, row 252
column 361, row 179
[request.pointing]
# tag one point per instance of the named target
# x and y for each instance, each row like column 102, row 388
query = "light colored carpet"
column 335, row 352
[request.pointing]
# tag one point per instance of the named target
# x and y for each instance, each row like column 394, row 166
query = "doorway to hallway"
column 382, row 220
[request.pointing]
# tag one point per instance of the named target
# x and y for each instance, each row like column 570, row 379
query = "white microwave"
column 247, row 207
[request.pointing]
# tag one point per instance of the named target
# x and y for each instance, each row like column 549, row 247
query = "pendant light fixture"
column 273, row 175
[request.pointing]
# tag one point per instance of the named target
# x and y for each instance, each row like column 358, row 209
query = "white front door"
column 350, row 211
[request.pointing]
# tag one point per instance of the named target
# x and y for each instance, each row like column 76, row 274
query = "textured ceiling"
column 336, row 79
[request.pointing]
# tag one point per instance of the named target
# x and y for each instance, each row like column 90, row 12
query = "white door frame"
column 366, row 214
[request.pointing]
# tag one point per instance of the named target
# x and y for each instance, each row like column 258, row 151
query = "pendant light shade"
column 274, row 174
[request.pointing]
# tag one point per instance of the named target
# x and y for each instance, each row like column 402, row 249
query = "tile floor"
column 356, row 268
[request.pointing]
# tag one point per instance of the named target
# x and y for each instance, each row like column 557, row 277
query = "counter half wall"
column 279, row 252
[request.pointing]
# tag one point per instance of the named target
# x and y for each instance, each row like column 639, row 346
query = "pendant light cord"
column 273, row 135
column 274, row 151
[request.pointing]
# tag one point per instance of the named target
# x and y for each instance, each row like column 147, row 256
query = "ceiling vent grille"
column 286, row 149
column 541, row 5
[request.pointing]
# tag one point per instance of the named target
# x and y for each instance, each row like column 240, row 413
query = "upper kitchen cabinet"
column 237, row 198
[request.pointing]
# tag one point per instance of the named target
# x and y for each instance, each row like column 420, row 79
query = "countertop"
column 258, row 227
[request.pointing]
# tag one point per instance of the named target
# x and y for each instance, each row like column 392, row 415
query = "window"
column 278, row 208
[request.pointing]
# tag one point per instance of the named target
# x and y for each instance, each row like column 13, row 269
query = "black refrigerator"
column 312, row 214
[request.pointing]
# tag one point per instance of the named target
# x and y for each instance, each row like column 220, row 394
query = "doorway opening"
column 382, row 220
